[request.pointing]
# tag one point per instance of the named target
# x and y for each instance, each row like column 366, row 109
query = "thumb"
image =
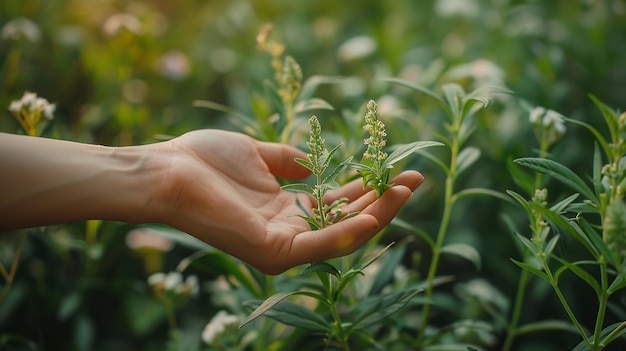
column 280, row 160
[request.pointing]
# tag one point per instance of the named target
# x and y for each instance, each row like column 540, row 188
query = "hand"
column 220, row 187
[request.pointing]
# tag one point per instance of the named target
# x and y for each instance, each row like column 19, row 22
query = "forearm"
column 46, row 181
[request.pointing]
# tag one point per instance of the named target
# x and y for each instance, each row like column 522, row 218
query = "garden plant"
column 512, row 111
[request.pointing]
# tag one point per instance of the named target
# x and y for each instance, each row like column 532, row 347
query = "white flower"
column 21, row 28
column 192, row 286
column 550, row 120
column 356, row 48
column 536, row 114
column 119, row 21
column 156, row 279
column 460, row 8
column 217, row 326
column 174, row 64
column 172, row 281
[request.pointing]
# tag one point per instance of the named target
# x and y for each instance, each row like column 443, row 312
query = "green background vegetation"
column 116, row 89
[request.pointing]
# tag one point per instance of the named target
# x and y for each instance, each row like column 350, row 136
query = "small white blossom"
column 19, row 28
column 156, row 279
column 218, row 325
column 172, row 281
column 192, row 285
column 536, row 114
column 356, row 48
column 120, row 21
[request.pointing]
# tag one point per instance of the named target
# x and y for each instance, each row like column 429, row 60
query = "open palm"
column 221, row 188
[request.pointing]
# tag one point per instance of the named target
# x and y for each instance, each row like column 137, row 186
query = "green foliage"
column 515, row 211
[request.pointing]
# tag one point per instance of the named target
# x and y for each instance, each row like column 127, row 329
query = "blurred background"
column 127, row 73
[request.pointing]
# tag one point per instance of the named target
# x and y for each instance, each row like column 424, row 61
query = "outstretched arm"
column 215, row 185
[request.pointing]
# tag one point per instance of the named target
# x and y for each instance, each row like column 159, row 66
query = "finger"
column 354, row 189
column 388, row 205
column 344, row 237
column 337, row 240
column 411, row 179
column 280, row 160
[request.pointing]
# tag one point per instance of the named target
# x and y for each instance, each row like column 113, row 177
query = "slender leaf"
column 268, row 304
column 420, row 89
column 559, row 172
column 618, row 284
column 560, row 206
column 596, row 239
column 466, row 158
column 520, row 199
column 310, row 85
column 401, row 151
column 406, row 226
column 312, row 104
column 469, row 192
column 527, row 243
column 377, row 308
column 321, row 267
column 581, row 273
column 434, row 160
column 464, row 251
column 330, row 178
column 607, row 335
column 599, row 137
column 299, row 188
column 551, row 245
column 570, row 227
column 385, row 273
column 531, row 269
column 610, row 117
column 298, row 316
column 545, row 325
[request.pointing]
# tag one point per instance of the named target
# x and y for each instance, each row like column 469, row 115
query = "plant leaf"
column 321, row 266
column 544, row 325
column 377, row 308
column 420, row 89
column 581, row 273
column 312, row 104
column 607, row 332
column 464, row 251
column 572, row 228
column 385, row 273
column 466, row 158
column 310, row 85
column 483, row 192
column 531, row 269
column 559, row 172
column 403, row 150
column 299, row 188
column 266, row 305
column 298, row 316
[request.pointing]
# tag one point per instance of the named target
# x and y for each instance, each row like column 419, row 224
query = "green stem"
column 613, row 334
column 511, row 330
column 171, row 320
column 565, row 305
column 449, row 200
column 603, row 298
column 339, row 331
column 11, row 275
column 286, row 133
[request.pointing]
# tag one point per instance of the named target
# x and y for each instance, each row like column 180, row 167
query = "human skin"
column 216, row 185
